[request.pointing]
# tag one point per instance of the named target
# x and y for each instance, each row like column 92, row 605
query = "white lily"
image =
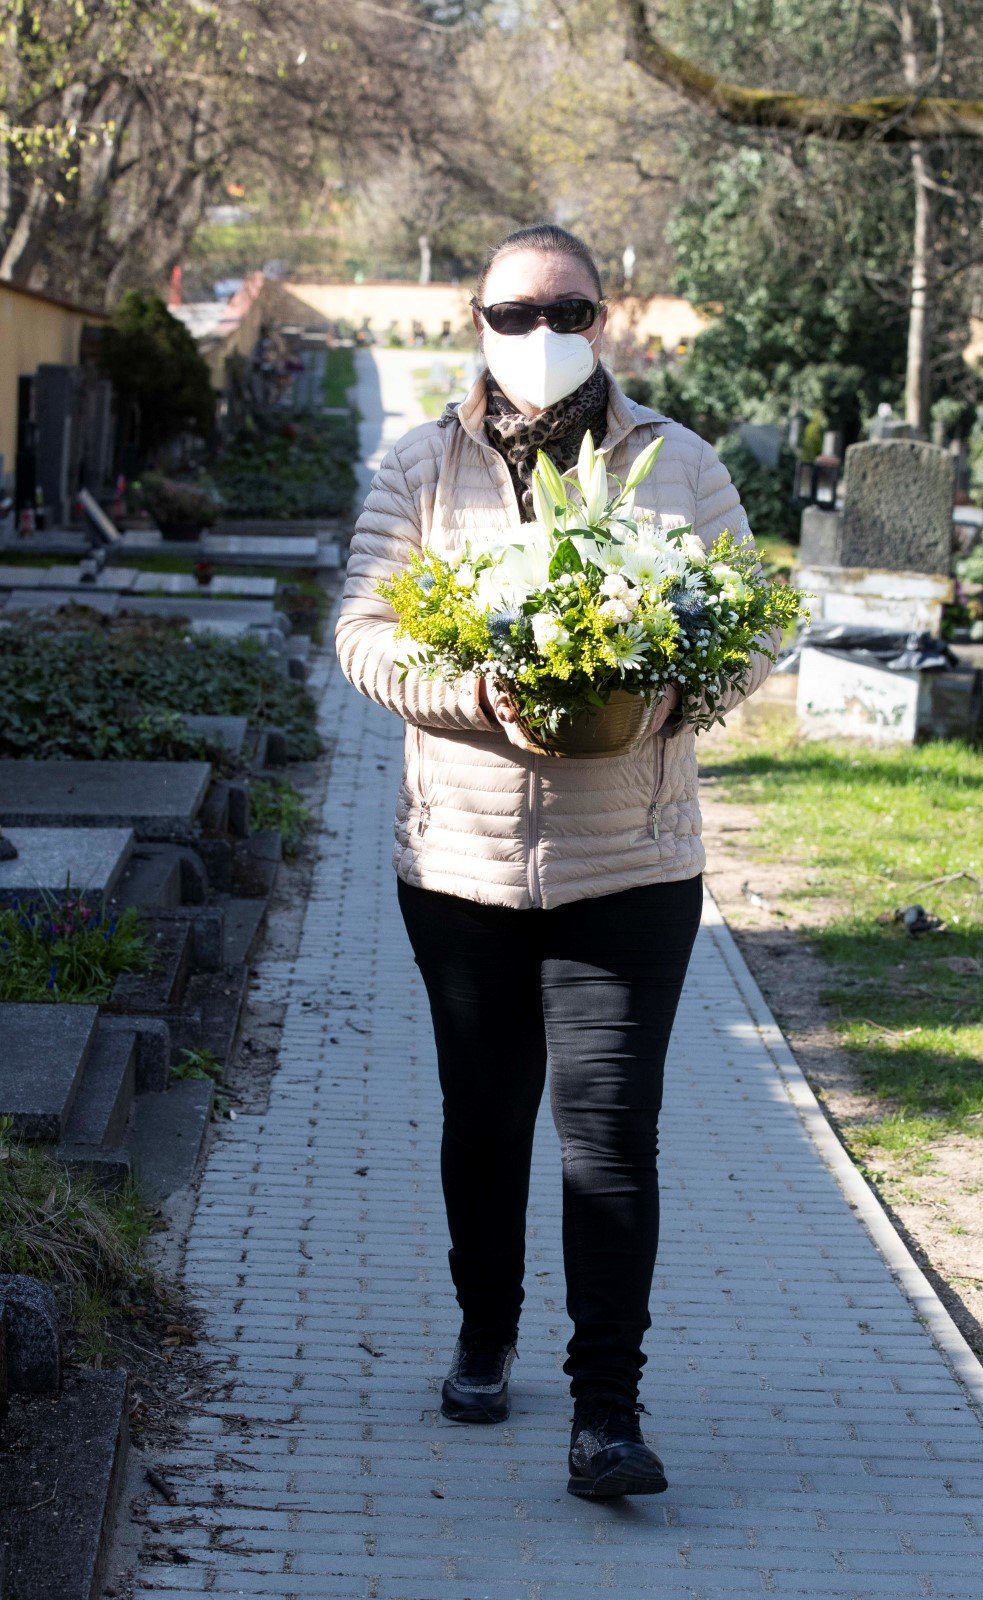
column 596, row 495
column 643, row 464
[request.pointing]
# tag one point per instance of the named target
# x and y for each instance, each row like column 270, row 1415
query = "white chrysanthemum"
column 630, row 647
column 645, row 563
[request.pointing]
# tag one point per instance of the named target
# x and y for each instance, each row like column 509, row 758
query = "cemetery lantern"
column 816, row 482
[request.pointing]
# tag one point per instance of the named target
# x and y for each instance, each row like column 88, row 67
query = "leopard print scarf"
column 559, row 430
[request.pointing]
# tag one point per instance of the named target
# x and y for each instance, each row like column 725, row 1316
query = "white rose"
column 731, row 582
column 694, row 549
column 615, row 611
column 546, row 630
column 615, row 586
column 465, row 576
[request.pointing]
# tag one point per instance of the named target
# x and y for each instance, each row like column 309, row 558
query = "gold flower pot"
column 604, row 731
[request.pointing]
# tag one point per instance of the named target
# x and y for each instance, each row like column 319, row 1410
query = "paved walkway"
column 816, row 1440
column 385, row 394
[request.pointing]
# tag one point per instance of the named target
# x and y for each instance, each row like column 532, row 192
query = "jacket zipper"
column 654, row 806
column 422, row 824
column 532, row 834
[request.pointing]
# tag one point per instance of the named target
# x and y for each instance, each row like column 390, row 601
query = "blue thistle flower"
column 425, row 581
column 500, row 624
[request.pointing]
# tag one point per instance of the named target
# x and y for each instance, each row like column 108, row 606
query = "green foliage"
column 276, row 804
column 289, row 464
column 92, row 692
column 62, row 949
column 198, row 1064
column 67, row 1230
column 173, row 504
column 155, row 365
column 876, row 829
column 970, row 568
column 766, row 492
column 796, row 323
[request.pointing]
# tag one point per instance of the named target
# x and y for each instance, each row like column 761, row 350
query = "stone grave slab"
column 155, row 797
column 90, row 859
column 242, row 614
column 45, row 1048
column 65, row 577
column 51, row 599
column 228, row 733
column 182, row 583
column 897, row 506
column 278, row 550
column 880, row 599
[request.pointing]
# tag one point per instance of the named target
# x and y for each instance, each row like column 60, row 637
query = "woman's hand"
column 664, row 707
column 499, row 707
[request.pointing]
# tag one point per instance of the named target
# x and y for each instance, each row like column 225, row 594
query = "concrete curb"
column 961, row 1360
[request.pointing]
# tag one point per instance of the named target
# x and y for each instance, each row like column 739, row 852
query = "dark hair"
column 548, row 238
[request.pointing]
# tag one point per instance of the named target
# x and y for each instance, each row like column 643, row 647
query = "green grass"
column 339, row 375
column 89, row 1243
column 433, row 401
column 276, row 804
column 874, row 827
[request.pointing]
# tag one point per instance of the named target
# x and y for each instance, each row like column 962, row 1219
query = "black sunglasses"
column 571, row 315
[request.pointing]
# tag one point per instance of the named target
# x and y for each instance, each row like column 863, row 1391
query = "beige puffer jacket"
column 475, row 815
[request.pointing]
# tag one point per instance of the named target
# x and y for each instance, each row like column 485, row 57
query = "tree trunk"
column 920, row 311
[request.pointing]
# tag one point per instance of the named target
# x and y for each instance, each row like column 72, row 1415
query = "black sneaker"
column 608, row 1455
column 477, row 1387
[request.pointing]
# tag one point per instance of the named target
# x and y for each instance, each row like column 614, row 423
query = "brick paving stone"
column 816, row 1439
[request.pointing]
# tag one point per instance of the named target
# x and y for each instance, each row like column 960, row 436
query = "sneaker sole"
column 616, row 1482
column 468, row 1414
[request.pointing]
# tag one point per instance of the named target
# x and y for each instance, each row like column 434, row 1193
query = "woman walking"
column 551, row 903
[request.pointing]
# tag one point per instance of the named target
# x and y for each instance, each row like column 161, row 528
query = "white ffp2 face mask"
column 540, row 367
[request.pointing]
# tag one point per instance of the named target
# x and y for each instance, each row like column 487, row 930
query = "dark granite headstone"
column 33, row 1343
column 45, row 1048
column 897, row 507
column 90, row 860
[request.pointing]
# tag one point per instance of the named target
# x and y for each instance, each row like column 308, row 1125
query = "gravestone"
column 156, row 798
column 91, row 860
column 57, row 401
column 226, row 733
column 45, row 1048
column 897, row 507
column 763, row 440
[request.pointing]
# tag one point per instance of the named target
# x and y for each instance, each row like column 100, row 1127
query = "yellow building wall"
column 667, row 316
column 32, row 330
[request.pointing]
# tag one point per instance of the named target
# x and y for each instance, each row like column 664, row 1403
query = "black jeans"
column 596, row 984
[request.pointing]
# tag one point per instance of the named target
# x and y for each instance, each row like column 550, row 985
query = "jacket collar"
column 624, row 414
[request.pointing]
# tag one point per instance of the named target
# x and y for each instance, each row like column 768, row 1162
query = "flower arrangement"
column 596, row 605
